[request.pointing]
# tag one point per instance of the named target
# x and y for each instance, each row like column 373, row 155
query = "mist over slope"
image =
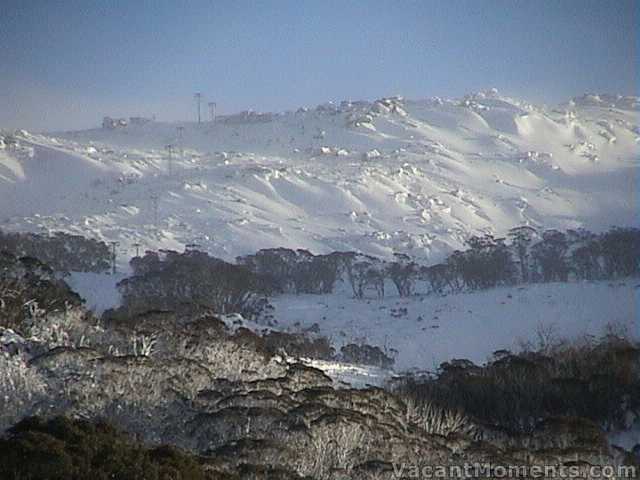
column 392, row 175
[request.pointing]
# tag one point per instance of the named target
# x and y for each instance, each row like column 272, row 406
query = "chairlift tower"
column 198, row 97
column 169, row 149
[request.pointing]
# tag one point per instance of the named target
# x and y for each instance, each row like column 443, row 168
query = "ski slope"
column 385, row 176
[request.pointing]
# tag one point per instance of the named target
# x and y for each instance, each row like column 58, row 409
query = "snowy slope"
column 421, row 332
column 380, row 177
column 384, row 176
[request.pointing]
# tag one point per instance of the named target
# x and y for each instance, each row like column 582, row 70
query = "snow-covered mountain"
column 381, row 177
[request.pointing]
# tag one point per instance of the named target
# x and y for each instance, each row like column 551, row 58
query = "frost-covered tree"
column 28, row 287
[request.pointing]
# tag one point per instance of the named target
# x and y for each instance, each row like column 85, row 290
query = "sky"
column 64, row 64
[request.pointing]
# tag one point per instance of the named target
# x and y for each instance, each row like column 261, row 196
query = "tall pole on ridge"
column 198, row 100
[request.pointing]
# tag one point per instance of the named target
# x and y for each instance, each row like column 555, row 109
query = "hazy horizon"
column 67, row 65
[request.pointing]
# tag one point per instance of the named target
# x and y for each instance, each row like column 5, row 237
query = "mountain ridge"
column 385, row 176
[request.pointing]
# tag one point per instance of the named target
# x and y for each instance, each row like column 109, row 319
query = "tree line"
column 192, row 280
column 62, row 252
column 170, row 280
column 525, row 255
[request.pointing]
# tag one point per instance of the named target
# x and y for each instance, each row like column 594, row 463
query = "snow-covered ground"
column 380, row 177
column 422, row 332
column 98, row 290
column 384, row 176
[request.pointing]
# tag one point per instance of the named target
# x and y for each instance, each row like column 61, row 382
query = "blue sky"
column 65, row 64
